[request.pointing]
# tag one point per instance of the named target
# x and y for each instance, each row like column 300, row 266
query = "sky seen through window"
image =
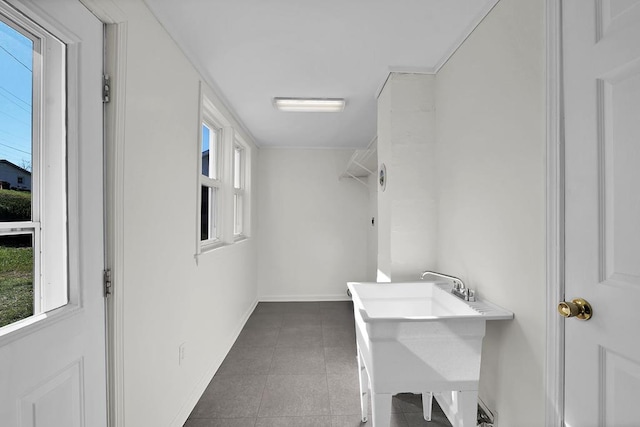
column 16, row 61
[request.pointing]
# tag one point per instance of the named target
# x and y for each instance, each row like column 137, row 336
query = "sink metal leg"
column 460, row 407
column 364, row 389
column 464, row 408
column 427, row 405
column 468, row 405
column 381, row 409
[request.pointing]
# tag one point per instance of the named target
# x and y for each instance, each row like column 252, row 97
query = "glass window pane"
column 205, row 208
column 15, row 205
column 212, row 213
column 16, row 88
column 208, row 214
column 237, row 214
column 237, row 167
column 16, row 278
column 209, row 151
column 213, row 156
column 206, row 136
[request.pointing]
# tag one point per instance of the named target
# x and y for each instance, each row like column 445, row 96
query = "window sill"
column 213, row 247
column 210, row 247
column 25, row 327
column 240, row 238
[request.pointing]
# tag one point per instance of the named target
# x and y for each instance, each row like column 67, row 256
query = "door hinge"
column 106, row 88
column 107, row 282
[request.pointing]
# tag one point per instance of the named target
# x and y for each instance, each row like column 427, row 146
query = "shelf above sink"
column 362, row 163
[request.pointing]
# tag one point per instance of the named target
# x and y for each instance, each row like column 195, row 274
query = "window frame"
column 213, row 184
column 53, row 74
column 228, row 140
column 210, row 116
column 239, row 194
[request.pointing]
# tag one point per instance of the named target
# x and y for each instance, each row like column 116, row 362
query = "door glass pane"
column 16, row 83
column 16, row 278
column 15, row 205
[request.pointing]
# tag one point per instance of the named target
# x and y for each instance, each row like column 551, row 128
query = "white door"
column 601, row 49
column 52, row 365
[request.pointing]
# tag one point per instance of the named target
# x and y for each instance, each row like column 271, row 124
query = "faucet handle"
column 471, row 295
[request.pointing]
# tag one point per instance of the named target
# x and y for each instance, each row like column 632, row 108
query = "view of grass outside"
column 16, row 260
column 16, row 283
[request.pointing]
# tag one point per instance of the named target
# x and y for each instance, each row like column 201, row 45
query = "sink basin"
column 409, row 301
column 418, row 337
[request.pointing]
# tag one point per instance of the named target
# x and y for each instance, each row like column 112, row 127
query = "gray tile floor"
column 294, row 365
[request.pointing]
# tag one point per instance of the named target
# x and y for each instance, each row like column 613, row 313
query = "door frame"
column 115, row 65
column 555, row 219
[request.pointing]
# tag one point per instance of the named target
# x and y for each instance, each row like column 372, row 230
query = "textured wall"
column 406, row 145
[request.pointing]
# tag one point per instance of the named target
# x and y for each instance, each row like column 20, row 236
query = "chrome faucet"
column 459, row 289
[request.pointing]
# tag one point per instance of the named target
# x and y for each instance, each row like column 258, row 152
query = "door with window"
column 52, row 325
column 601, row 49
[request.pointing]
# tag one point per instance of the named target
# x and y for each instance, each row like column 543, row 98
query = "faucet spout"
column 459, row 289
column 457, row 283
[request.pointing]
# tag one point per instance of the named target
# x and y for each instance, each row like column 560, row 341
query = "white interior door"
column 52, row 365
column 601, row 50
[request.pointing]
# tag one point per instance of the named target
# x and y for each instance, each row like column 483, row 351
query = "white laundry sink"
column 418, row 337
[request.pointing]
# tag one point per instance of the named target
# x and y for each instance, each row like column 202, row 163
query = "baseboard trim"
column 198, row 390
column 304, row 298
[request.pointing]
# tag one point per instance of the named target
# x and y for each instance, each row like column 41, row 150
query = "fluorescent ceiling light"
column 310, row 105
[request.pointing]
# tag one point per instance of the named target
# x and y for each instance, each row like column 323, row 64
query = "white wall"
column 372, row 229
column 407, row 230
column 313, row 227
column 491, row 151
column 170, row 298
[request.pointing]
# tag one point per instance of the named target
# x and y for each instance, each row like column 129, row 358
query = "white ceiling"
column 254, row 50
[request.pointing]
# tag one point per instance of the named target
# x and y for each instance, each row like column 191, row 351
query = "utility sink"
column 418, row 337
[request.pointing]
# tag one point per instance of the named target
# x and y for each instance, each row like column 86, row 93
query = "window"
column 238, row 190
column 210, row 183
column 212, row 170
column 33, row 206
column 223, row 170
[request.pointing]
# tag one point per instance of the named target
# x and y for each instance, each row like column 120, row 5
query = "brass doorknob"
column 579, row 308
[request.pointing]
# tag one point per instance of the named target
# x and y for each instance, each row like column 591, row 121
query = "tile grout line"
column 326, row 373
column 273, row 355
column 264, row 388
column 326, row 376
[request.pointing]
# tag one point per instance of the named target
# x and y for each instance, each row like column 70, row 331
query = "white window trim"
column 228, row 139
column 53, row 181
column 244, row 190
column 211, row 116
column 247, row 188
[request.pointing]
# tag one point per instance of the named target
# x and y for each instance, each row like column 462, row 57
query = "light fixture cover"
column 310, row 105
